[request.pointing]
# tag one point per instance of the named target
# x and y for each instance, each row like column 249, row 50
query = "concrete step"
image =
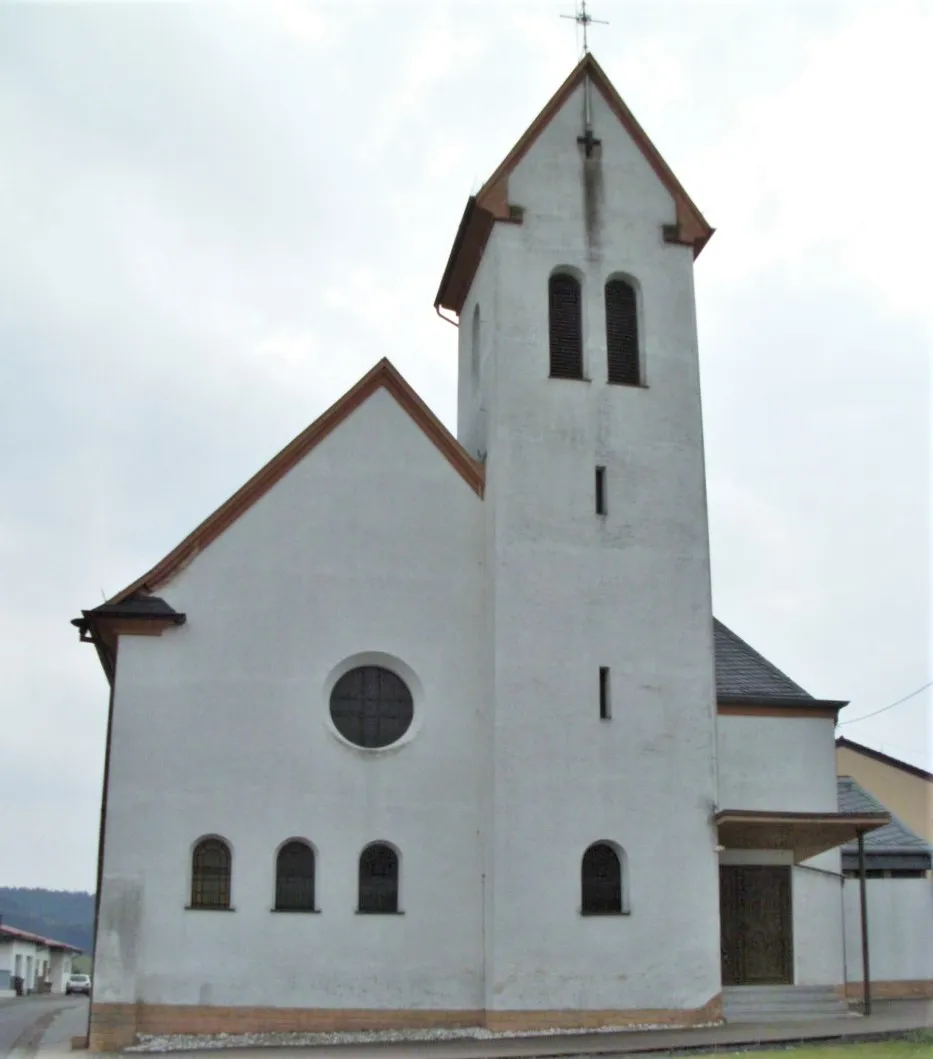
column 777, row 1002
column 781, row 1003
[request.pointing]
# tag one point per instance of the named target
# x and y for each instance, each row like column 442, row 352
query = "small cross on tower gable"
column 492, row 203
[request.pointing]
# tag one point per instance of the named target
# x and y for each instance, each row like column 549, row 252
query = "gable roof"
column 15, row 934
column 866, row 751
column 894, row 838
column 383, row 375
column 742, row 674
column 491, row 203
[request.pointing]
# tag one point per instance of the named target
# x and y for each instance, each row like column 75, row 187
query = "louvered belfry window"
column 210, row 874
column 565, row 319
column 622, row 333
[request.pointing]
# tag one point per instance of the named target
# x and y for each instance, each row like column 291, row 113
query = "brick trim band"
column 115, row 1026
column 892, row 989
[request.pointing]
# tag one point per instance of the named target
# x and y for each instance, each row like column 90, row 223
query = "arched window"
column 371, row 706
column 378, row 879
column 622, row 333
column 565, row 320
column 294, row 878
column 210, row 874
column 601, row 873
column 475, row 347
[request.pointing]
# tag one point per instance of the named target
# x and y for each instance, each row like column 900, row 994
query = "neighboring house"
column 906, row 790
column 891, row 852
column 445, row 726
column 899, row 900
column 42, row 963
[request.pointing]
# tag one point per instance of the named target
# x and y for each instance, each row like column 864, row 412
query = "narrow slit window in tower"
column 605, row 704
column 600, row 490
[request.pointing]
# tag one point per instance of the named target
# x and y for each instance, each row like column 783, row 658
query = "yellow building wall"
column 905, row 795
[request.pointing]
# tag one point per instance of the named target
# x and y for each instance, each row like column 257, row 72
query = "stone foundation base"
column 534, row 1021
column 115, row 1026
column 908, row 989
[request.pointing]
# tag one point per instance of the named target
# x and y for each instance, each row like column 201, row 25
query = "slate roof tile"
column 895, row 837
column 741, row 670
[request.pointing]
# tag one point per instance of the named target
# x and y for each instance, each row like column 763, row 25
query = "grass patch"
column 917, row 1044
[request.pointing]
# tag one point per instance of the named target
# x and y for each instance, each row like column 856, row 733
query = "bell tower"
column 572, row 277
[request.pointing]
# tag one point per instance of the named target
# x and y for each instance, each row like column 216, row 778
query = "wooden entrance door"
column 756, row 924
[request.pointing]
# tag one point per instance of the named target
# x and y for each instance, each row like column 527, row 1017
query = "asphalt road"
column 27, row 1021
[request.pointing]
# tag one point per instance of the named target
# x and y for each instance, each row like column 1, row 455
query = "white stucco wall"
column 570, row 592
column 787, row 764
column 900, row 929
column 59, row 970
column 503, row 610
column 818, row 934
column 6, row 968
column 778, row 764
column 372, row 543
column 31, row 959
column 42, row 964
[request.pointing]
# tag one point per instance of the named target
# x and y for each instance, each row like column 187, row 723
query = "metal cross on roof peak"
column 583, row 18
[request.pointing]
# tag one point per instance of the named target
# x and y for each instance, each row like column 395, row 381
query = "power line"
column 854, row 720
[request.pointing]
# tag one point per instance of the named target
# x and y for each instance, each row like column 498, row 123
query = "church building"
column 419, row 730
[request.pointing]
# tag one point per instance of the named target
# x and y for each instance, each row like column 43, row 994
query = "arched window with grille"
column 378, row 879
column 294, row 877
column 601, row 881
column 210, row 874
column 622, row 333
column 565, row 326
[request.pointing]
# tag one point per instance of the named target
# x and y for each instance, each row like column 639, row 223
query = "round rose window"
column 371, row 707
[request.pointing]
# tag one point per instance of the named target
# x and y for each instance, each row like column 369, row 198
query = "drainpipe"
column 866, row 975
column 845, row 948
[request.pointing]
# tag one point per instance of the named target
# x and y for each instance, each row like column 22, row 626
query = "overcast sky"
column 213, row 220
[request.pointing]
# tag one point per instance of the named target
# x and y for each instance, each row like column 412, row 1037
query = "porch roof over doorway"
column 803, row 834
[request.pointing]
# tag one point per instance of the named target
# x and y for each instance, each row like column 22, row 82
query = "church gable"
column 496, row 202
column 372, row 452
column 383, row 376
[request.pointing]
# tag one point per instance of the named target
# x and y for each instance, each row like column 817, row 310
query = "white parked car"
column 78, row 983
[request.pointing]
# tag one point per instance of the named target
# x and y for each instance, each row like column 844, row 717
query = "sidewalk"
column 890, row 1017
column 5, row 1001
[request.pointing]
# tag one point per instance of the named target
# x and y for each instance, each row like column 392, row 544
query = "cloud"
column 826, row 171
column 216, row 219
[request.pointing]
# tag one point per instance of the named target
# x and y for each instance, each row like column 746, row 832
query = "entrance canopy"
column 804, row 834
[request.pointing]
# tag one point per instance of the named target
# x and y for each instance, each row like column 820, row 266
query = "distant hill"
column 65, row 915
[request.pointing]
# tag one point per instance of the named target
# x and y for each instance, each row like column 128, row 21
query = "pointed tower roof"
column 491, row 202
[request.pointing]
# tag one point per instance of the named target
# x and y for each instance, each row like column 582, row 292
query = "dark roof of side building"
column 743, row 676
column 139, row 605
column 893, row 839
